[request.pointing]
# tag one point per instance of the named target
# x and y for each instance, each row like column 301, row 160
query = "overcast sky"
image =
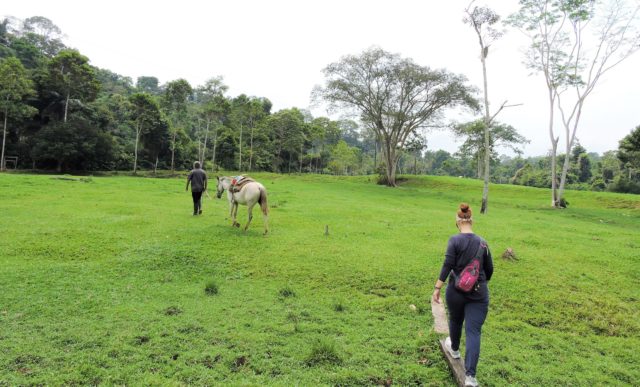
column 278, row 48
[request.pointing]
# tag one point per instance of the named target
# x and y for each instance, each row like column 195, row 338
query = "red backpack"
column 468, row 278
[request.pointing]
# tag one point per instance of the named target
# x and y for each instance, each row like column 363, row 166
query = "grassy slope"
column 103, row 282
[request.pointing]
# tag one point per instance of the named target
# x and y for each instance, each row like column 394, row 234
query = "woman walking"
column 468, row 307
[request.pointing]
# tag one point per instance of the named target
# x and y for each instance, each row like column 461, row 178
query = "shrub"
column 211, row 288
column 172, row 311
column 323, row 351
column 287, row 292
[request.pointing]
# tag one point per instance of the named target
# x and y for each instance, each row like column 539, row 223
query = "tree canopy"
column 393, row 95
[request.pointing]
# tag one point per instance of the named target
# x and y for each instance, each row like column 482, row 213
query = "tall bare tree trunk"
column 215, row 143
column 570, row 136
column 240, row 162
column 3, row 165
column 487, row 127
column 204, row 146
column 554, row 150
column 66, row 107
column 173, row 149
column 300, row 162
column 135, row 156
column 375, row 156
column 251, row 148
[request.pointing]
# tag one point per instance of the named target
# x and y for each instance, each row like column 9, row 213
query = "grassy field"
column 110, row 280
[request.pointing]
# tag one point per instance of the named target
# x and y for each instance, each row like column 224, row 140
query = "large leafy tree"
column 474, row 145
column 174, row 101
column 75, row 144
column 393, row 95
column 73, row 78
column 209, row 98
column 629, row 151
column 148, row 84
column 245, row 113
column 43, row 34
column 146, row 114
column 286, row 128
column 15, row 86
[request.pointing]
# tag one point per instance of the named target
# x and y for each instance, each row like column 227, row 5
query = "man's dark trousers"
column 197, row 202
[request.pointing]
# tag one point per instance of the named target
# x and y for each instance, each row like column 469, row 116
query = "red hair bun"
column 464, row 212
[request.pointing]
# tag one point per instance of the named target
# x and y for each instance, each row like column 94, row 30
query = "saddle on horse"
column 238, row 182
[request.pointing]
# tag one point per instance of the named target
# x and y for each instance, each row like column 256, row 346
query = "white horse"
column 250, row 194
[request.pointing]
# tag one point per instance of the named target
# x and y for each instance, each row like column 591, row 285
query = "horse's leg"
column 235, row 214
column 250, row 213
column 231, row 204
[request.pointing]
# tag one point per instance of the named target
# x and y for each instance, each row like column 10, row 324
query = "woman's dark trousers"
column 473, row 313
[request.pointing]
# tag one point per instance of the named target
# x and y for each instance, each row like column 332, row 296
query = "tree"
column 574, row 43
column 258, row 109
column 175, row 104
column 14, row 87
column 629, row 152
column 146, row 114
column 112, row 83
column 44, row 34
column 500, row 135
column 344, row 158
column 74, row 144
column 72, row 77
column 146, row 84
column 211, row 99
column 415, row 146
column 482, row 19
column 286, row 129
column 393, row 95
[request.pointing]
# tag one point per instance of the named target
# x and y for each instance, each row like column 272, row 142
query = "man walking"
column 198, row 179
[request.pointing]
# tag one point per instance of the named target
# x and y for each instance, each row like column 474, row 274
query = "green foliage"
column 72, row 78
column 393, row 96
column 344, row 159
column 74, row 145
column 146, row 84
column 500, row 135
column 629, row 150
column 15, row 86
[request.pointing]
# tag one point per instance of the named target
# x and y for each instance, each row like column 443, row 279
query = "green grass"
column 110, row 280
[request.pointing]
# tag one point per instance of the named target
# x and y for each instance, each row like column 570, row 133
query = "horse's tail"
column 264, row 205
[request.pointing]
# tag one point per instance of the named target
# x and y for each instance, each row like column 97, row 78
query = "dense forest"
column 60, row 113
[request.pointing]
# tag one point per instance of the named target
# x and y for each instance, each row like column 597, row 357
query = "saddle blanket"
column 238, row 182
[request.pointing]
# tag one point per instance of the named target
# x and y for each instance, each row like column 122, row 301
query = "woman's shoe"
column 447, row 345
column 470, row 381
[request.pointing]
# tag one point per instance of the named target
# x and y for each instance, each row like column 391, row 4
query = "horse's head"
column 219, row 187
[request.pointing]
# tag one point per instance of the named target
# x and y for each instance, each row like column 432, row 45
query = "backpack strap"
column 479, row 253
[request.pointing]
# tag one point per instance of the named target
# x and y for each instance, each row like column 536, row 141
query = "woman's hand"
column 436, row 295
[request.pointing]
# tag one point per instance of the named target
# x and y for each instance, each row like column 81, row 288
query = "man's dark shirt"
column 198, row 179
